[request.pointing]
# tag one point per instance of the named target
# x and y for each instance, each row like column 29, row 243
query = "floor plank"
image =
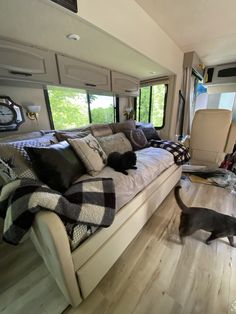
column 156, row 274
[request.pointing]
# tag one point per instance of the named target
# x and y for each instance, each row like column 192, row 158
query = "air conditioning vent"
column 230, row 72
column 220, row 74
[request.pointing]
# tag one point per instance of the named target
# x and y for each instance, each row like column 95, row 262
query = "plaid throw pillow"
column 6, row 173
column 179, row 151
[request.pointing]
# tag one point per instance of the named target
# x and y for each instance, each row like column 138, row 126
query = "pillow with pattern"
column 90, row 152
column 15, row 158
column 115, row 143
column 6, row 173
column 136, row 138
column 150, row 133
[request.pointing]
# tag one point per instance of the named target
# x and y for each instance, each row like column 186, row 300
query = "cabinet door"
column 124, row 84
column 23, row 62
column 81, row 74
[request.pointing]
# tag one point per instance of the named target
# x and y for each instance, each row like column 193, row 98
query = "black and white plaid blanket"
column 179, row 151
column 90, row 202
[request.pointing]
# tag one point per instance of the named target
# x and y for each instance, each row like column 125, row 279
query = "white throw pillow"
column 90, row 152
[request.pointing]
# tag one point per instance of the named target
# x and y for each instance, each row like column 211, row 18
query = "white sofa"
column 78, row 271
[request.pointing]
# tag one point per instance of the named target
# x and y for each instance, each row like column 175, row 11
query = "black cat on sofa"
column 122, row 162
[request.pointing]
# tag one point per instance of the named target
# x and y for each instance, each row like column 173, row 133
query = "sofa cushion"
column 90, row 152
column 150, row 163
column 56, row 165
column 121, row 126
column 64, row 135
column 136, row 138
column 115, row 143
column 99, row 130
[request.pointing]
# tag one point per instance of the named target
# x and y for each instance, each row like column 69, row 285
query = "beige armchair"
column 213, row 135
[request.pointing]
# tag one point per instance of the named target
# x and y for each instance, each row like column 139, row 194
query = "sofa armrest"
column 50, row 238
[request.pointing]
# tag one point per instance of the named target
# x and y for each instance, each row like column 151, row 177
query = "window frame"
column 150, row 104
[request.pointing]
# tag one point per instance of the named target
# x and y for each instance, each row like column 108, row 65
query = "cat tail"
column 181, row 204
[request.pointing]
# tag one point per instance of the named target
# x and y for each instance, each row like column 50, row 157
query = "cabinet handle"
column 128, row 90
column 20, row 73
column 89, row 84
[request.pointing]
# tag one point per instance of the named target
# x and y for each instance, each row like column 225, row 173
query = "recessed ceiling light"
column 152, row 72
column 73, row 37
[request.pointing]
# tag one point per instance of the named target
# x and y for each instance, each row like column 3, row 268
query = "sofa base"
column 98, row 265
column 77, row 273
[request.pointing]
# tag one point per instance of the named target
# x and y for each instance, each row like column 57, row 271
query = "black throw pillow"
column 56, row 165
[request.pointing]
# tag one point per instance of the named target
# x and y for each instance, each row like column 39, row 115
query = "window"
column 151, row 104
column 227, row 101
column 216, row 99
column 72, row 108
column 102, row 108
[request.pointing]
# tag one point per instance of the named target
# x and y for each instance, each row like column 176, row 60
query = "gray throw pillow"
column 136, row 138
column 115, row 143
column 150, row 133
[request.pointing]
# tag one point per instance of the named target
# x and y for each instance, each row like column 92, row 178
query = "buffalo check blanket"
column 90, row 202
column 179, row 151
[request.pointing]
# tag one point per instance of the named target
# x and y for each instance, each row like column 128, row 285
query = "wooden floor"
column 156, row 274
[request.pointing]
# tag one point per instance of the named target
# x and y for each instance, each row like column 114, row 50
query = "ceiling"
column 205, row 26
column 45, row 24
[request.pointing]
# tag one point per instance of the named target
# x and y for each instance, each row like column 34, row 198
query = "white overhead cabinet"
column 22, row 62
column 123, row 84
column 77, row 73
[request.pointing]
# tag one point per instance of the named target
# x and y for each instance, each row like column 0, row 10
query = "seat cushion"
column 151, row 162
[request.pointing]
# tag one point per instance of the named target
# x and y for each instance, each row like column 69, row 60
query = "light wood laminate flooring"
column 156, row 274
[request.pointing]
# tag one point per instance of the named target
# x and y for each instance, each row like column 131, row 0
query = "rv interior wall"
column 24, row 95
column 138, row 31
column 147, row 37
